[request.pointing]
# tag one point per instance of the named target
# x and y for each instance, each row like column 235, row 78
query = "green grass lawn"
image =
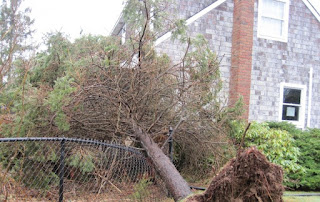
column 300, row 198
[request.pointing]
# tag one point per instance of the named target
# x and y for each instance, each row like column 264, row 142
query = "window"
column 273, row 18
column 152, row 20
column 292, row 106
column 123, row 34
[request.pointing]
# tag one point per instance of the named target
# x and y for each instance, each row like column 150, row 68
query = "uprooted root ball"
column 248, row 177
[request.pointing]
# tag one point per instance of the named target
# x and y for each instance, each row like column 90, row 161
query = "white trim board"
column 191, row 20
column 204, row 11
column 310, row 96
column 312, row 9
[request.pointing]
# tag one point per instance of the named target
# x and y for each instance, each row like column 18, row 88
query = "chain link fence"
column 58, row 169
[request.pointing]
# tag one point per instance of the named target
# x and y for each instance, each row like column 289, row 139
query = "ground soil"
column 248, row 177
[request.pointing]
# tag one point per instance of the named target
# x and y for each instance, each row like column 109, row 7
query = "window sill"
column 298, row 124
column 281, row 39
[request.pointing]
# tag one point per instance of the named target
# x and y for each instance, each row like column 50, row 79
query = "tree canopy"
column 15, row 30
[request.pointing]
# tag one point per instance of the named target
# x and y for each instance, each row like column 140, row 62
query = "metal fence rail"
column 75, row 169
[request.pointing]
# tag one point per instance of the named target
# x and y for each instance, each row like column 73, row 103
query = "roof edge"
column 204, row 11
column 191, row 20
column 118, row 26
column 312, row 9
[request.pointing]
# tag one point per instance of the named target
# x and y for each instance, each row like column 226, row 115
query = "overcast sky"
column 72, row 16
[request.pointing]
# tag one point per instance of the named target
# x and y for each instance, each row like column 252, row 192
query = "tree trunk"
column 175, row 183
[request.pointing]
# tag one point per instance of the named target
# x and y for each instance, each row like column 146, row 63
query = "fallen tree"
column 98, row 88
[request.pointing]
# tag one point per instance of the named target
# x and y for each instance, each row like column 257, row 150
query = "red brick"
column 241, row 59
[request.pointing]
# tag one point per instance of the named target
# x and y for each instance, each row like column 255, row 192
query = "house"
column 269, row 49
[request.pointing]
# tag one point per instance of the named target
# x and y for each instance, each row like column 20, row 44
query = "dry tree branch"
column 243, row 136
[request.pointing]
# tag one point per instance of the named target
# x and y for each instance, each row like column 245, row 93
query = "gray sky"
column 72, row 16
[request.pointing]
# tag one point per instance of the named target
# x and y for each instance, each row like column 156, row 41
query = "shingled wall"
column 216, row 26
column 275, row 62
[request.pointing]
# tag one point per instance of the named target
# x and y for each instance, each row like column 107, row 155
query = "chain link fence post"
column 170, row 144
column 61, row 169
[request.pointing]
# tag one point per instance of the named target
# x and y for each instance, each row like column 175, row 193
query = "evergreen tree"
column 15, row 30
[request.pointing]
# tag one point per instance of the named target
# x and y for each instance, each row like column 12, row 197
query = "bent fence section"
column 33, row 169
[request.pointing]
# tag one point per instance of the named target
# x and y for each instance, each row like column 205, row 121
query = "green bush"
column 289, row 127
column 309, row 144
column 276, row 144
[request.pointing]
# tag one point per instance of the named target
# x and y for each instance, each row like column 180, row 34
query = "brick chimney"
column 241, row 59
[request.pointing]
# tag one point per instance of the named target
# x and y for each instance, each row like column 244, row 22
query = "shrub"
column 289, row 127
column 309, row 144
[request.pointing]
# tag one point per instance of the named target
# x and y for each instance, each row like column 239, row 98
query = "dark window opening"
column 290, row 113
column 292, row 96
column 291, row 104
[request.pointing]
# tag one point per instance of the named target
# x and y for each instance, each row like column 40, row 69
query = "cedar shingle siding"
column 275, row 62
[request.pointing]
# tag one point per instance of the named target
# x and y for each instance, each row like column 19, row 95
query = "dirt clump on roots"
column 248, row 177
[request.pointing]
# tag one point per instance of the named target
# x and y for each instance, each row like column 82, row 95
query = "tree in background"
column 15, row 30
column 97, row 88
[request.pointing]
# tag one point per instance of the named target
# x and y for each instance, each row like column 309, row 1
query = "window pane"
column 271, row 27
column 290, row 113
column 123, row 35
column 292, row 96
column 272, row 8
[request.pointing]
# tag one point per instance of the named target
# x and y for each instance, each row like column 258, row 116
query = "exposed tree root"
column 248, row 177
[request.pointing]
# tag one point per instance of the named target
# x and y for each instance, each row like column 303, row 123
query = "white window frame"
column 123, row 34
column 302, row 111
column 152, row 19
column 284, row 37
